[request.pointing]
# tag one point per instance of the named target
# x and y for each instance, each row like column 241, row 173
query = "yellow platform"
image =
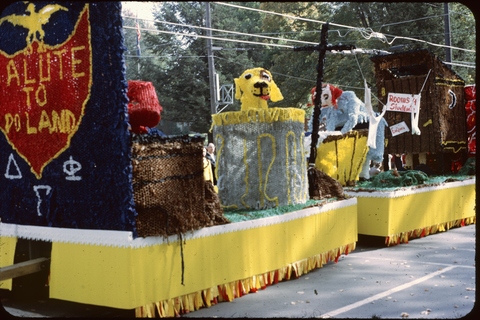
column 413, row 212
column 170, row 277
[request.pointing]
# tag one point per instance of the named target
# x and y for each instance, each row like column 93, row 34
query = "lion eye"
column 248, row 76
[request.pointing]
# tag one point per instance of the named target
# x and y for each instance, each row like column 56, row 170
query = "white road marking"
column 384, row 294
column 412, row 261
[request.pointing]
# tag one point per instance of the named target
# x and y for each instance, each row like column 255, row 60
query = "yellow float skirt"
column 168, row 277
column 414, row 212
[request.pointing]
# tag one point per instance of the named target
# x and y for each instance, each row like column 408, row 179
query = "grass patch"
column 237, row 215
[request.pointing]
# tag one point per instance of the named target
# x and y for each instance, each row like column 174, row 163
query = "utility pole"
column 211, row 66
column 448, row 51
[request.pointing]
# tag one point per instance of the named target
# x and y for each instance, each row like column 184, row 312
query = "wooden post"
column 322, row 48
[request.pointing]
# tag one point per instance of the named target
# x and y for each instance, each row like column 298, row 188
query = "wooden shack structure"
column 442, row 119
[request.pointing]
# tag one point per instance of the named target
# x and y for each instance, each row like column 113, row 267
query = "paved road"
column 432, row 277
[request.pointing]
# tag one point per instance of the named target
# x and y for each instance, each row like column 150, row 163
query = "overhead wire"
column 340, row 25
column 208, row 37
column 274, row 73
column 354, row 51
column 282, row 14
column 408, row 21
column 460, row 65
column 358, row 50
column 428, row 42
column 167, row 56
column 366, row 33
column 233, row 32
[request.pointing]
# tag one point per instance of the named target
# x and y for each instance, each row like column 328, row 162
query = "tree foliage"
column 177, row 64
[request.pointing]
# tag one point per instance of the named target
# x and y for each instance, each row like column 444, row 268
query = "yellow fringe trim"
column 258, row 115
column 175, row 307
column 403, row 237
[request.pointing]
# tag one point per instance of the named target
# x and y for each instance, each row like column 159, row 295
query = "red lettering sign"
column 401, row 102
column 399, row 128
column 43, row 93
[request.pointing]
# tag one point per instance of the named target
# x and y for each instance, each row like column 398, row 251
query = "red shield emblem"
column 43, row 93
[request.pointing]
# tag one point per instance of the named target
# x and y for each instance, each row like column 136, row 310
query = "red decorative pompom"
column 143, row 106
column 472, row 144
column 470, row 92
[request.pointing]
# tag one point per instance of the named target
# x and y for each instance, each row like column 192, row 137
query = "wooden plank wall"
column 443, row 130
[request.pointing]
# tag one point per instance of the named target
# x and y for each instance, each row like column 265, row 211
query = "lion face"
column 329, row 96
column 256, row 86
column 326, row 98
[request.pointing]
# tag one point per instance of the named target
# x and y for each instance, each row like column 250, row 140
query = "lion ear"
column 336, row 93
column 275, row 94
column 238, row 91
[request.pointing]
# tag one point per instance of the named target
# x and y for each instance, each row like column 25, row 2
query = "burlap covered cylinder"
column 260, row 158
column 168, row 184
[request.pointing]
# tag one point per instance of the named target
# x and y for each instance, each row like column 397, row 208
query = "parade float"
column 408, row 205
column 428, row 109
column 428, row 120
column 122, row 214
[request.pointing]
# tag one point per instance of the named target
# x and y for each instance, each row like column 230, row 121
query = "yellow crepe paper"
column 404, row 237
column 7, row 255
column 230, row 291
column 258, row 115
column 404, row 214
column 217, row 267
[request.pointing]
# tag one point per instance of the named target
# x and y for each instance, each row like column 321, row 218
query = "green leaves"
column 177, row 65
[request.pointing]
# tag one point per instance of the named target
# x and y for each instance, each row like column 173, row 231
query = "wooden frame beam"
column 24, row 268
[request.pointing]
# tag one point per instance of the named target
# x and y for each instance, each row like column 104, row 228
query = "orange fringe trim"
column 403, row 237
column 175, row 307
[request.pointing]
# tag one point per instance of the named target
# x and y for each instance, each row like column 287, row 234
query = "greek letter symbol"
column 70, row 167
column 11, row 167
column 42, row 196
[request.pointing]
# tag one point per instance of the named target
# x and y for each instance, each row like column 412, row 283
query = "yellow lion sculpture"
column 254, row 88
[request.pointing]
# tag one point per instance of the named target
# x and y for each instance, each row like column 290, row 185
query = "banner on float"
column 403, row 102
column 399, row 128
